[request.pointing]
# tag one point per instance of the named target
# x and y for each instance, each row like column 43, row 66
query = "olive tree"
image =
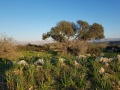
column 65, row 30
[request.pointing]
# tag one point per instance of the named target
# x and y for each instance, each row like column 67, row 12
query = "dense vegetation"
column 55, row 74
column 71, row 63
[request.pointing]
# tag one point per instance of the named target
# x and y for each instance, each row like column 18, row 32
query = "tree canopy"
column 87, row 32
column 65, row 31
column 62, row 32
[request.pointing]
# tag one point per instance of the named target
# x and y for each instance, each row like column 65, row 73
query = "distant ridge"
column 111, row 39
column 106, row 40
column 42, row 42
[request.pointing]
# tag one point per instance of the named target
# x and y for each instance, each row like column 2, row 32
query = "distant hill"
column 42, row 42
column 106, row 40
column 34, row 42
column 111, row 41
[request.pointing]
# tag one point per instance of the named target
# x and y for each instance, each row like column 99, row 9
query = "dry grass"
column 77, row 48
column 7, row 47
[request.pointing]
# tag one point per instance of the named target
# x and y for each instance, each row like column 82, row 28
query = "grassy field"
column 54, row 74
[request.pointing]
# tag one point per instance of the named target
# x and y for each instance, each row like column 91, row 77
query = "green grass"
column 54, row 76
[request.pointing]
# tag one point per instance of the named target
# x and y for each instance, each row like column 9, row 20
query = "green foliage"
column 88, row 32
column 82, row 30
column 65, row 31
column 61, row 32
column 95, row 49
column 96, row 31
column 53, row 75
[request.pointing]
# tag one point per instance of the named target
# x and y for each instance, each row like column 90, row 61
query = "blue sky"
column 27, row 20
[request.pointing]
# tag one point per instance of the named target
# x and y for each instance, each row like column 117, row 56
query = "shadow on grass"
column 4, row 66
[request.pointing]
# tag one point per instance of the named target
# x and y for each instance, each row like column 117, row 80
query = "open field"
column 72, row 65
column 58, row 72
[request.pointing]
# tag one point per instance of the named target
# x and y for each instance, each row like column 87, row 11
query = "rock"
column 61, row 60
column 102, row 70
column 118, row 58
column 39, row 62
column 104, row 60
column 22, row 62
column 75, row 63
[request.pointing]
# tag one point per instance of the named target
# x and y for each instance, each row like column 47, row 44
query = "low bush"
column 30, row 47
column 78, row 48
column 7, row 47
column 95, row 49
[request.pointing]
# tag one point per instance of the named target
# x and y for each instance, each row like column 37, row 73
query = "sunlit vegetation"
column 60, row 72
column 70, row 63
